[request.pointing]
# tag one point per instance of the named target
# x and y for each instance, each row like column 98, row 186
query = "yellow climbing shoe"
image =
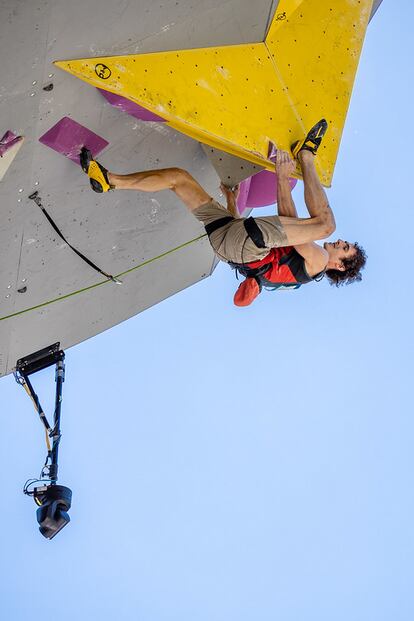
column 98, row 175
column 312, row 141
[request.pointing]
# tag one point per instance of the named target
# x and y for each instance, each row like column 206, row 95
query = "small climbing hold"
column 9, row 147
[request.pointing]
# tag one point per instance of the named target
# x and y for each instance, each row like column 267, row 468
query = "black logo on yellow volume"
column 102, row 71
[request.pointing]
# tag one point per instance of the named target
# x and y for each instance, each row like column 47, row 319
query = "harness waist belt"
column 250, row 272
column 252, row 229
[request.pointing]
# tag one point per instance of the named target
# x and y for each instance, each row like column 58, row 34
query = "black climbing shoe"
column 312, row 141
column 98, row 175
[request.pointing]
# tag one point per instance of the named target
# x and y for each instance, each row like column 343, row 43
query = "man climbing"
column 271, row 251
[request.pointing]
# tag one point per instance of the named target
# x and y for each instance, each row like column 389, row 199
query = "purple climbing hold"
column 9, row 147
column 128, row 106
column 243, row 194
column 8, row 141
column 68, row 137
column 259, row 190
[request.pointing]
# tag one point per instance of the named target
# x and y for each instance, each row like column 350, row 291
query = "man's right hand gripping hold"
column 271, row 251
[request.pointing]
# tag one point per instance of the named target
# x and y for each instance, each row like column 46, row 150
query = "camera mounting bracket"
column 53, row 500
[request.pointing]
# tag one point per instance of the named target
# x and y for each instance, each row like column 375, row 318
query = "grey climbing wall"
column 47, row 293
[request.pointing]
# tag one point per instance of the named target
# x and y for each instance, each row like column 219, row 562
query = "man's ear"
column 340, row 266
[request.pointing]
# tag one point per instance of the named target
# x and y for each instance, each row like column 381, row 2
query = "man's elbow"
column 330, row 228
column 328, row 224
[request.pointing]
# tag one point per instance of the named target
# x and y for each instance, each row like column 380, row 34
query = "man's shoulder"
column 315, row 257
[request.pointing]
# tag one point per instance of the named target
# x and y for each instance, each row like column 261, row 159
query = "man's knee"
column 179, row 178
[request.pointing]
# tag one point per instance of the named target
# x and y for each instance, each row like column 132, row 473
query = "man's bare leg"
column 321, row 224
column 175, row 179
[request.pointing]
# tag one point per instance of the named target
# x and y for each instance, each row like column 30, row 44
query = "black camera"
column 54, row 502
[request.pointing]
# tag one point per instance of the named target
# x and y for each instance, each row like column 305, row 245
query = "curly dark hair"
column 353, row 267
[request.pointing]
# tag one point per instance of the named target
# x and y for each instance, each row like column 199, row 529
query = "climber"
column 270, row 251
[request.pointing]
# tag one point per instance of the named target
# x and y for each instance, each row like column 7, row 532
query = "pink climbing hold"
column 8, row 140
column 244, row 187
column 68, row 137
column 259, row 190
column 128, row 106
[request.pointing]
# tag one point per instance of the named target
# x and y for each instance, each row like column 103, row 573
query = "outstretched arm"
column 321, row 223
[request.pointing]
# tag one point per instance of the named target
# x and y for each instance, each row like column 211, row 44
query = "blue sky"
column 243, row 464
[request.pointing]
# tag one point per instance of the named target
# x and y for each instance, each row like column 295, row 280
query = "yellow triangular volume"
column 238, row 98
column 316, row 55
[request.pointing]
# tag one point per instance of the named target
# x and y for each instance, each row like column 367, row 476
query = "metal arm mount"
column 28, row 366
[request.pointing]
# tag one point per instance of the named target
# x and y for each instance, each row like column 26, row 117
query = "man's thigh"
column 190, row 191
column 209, row 211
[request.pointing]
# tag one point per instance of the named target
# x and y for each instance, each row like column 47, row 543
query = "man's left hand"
column 284, row 165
